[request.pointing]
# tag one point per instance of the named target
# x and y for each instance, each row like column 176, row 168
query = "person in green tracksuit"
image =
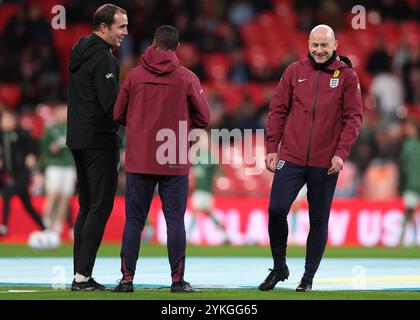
column 60, row 175
column 410, row 176
column 18, row 153
column 204, row 172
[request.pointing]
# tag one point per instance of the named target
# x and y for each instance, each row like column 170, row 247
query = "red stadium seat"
column 236, row 181
column 255, row 92
column 47, row 5
column 413, row 111
column 10, row 94
column 380, row 181
column 410, row 32
column 250, row 33
column 257, row 56
column 7, row 11
column 64, row 41
column 187, row 54
column 231, row 94
column 33, row 123
column 217, row 65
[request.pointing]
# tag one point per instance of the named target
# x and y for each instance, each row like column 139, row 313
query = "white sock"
column 80, row 278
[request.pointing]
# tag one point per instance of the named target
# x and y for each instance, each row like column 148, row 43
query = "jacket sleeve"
column 197, row 104
column 106, row 83
column 352, row 116
column 30, row 145
column 45, row 142
column 121, row 105
column 278, row 111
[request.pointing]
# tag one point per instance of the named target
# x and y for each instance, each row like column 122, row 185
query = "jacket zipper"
column 313, row 117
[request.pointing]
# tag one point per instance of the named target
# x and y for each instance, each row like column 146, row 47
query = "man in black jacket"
column 91, row 135
column 17, row 157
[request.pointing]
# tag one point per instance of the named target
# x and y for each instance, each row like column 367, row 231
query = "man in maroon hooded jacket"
column 158, row 98
column 315, row 114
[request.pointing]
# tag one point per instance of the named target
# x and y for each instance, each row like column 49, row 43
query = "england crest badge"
column 334, row 82
column 280, row 164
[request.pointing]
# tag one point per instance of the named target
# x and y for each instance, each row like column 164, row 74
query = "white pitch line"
column 26, row 291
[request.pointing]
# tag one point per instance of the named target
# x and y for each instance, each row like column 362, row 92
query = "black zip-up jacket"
column 15, row 146
column 93, row 89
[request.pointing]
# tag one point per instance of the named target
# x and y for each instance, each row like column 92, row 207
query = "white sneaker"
column 3, row 230
column 47, row 222
column 56, row 227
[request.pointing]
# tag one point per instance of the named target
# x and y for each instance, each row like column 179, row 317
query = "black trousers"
column 286, row 185
column 97, row 176
column 19, row 188
column 173, row 192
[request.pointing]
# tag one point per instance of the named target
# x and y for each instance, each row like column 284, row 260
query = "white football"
column 35, row 240
column 44, row 240
column 51, row 239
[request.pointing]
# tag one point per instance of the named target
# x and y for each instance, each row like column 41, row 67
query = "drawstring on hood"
column 159, row 62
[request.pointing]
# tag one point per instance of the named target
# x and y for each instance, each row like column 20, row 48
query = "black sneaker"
column 304, row 286
column 90, row 285
column 124, row 286
column 183, row 286
column 274, row 277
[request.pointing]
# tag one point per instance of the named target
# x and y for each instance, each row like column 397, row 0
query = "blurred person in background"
column 92, row 135
column 57, row 162
column 388, row 91
column 410, row 73
column 17, row 158
column 316, row 115
column 148, row 231
column 410, row 176
column 386, row 88
column 240, row 71
column 204, row 173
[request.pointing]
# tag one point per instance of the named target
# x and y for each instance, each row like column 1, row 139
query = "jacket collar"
column 98, row 39
column 333, row 63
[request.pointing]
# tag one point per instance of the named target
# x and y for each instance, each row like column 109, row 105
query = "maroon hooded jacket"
column 157, row 96
column 315, row 114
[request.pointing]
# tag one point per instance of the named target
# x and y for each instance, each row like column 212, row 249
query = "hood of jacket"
column 159, row 62
column 85, row 49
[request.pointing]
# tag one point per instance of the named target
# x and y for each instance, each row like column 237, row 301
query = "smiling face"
column 322, row 43
column 115, row 34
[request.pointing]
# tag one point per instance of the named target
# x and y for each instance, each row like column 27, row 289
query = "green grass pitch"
column 112, row 250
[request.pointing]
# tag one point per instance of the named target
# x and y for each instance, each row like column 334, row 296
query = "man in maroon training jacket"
column 158, row 97
column 316, row 114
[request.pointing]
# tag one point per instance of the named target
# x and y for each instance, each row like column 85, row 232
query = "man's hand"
column 336, row 165
column 30, row 161
column 271, row 161
column 54, row 148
